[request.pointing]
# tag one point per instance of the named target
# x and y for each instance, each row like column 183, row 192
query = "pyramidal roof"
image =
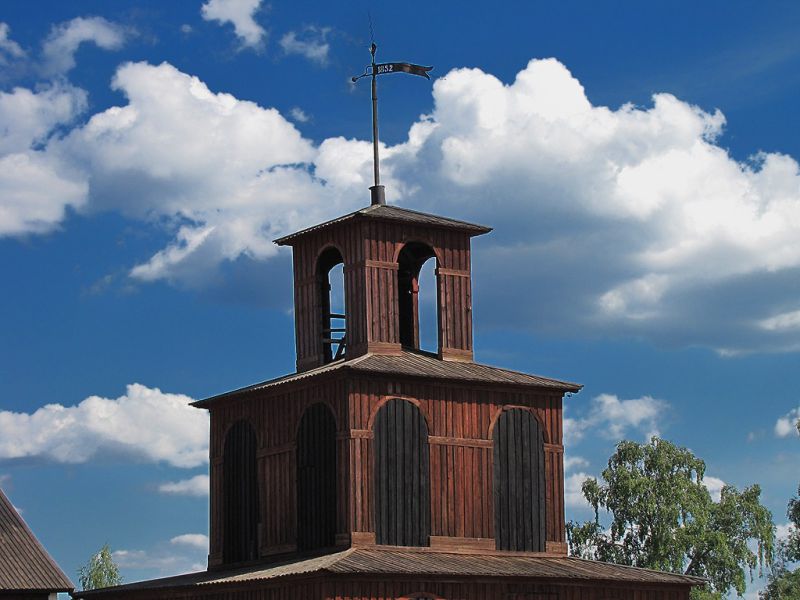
column 386, row 212
column 24, row 563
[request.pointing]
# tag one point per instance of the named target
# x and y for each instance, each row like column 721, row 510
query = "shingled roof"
column 422, row 564
column 412, row 364
column 24, row 563
column 385, row 212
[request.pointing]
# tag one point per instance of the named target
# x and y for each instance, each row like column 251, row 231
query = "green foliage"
column 663, row 517
column 790, row 549
column 100, row 571
column 784, row 585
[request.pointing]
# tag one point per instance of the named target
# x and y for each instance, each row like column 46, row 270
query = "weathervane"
column 377, row 191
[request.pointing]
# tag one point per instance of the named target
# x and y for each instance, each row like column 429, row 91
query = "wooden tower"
column 379, row 471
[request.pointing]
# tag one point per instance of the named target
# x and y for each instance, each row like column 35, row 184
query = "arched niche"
column 330, row 279
column 519, row 484
column 401, row 476
column 410, row 261
column 240, row 501
column 316, row 479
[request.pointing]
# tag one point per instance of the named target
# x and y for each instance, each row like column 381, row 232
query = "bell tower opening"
column 330, row 278
column 410, row 263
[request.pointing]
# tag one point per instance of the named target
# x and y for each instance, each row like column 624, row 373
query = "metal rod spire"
column 377, row 190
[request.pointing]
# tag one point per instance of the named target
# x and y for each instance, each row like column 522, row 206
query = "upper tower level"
column 382, row 249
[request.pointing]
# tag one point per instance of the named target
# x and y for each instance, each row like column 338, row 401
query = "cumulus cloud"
column 36, row 186
column 167, row 559
column 714, row 486
column 614, row 419
column 571, row 462
column 194, row 486
column 144, row 424
column 638, row 219
column 787, row 424
column 238, row 13
column 9, row 49
column 311, row 43
column 193, row 540
column 783, row 531
column 573, row 495
column 299, row 115
column 58, row 50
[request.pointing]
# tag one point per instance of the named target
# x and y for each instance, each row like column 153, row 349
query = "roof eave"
column 472, row 229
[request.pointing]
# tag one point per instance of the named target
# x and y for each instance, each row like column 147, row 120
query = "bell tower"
column 382, row 249
column 378, row 471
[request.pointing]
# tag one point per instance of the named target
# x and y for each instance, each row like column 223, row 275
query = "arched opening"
column 330, row 277
column 316, row 479
column 410, row 263
column 402, row 476
column 240, row 494
column 519, row 486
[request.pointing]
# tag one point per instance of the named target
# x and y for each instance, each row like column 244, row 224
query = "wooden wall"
column 460, row 421
column 370, row 250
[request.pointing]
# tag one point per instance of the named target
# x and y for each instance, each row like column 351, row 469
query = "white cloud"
column 165, row 560
column 571, row 462
column 784, row 530
column 8, row 47
column 714, row 486
column 311, row 42
column 787, row 424
column 58, row 50
column 36, row 187
column 193, row 540
column 613, row 418
column 238, row 13
column 194, row 486
column 299, row 115
column 639, row 220
column 573, row 495
column 144, row 424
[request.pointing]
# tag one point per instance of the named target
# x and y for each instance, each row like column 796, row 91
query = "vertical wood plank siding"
column 460, row 422
column 461, row 453
column 240, row 494
column 519, row 482
column 276, row 418
column 370, row 249
column 316, row 479
column 402, row 476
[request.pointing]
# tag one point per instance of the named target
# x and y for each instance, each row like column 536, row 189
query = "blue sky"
column 638, row 163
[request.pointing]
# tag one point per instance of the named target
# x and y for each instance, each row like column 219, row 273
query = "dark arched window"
column 402, row 476
column 409, row 264
column 316, row 479
column 330, row 278
column 519, row 486
column 240, row 494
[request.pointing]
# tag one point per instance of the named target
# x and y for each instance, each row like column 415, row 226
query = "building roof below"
column 411, row 364
column 421, row 564
column 24, row 563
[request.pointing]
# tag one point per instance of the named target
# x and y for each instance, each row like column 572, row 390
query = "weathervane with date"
column 377, row 192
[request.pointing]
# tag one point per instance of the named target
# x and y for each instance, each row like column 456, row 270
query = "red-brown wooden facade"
column 448, row 405
column 370, row 250
column 460, row 420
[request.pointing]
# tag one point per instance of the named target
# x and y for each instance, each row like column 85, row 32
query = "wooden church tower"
column 379, row 471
